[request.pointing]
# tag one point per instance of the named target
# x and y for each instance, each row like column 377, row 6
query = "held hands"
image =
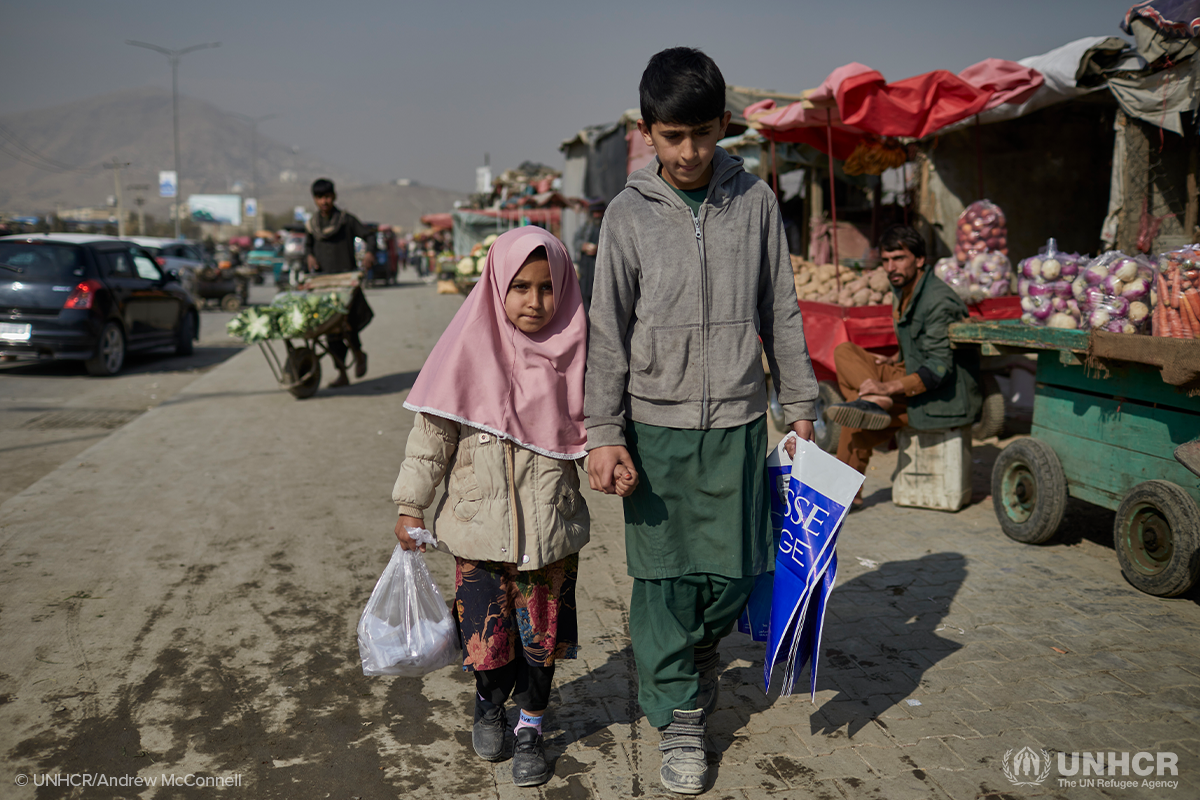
column 804, row 429
column 402, row 535
column 313, row 266
column 626, row 480
column 610, row 470
column 892, row 359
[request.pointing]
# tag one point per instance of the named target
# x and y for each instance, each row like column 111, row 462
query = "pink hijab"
column 486, row 373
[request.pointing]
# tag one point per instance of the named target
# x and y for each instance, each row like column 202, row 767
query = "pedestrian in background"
column 692, row 271
column 587, row 240
column 329, row 247
column 512, row 516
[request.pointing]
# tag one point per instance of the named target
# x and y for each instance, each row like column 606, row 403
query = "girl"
column 500, row 414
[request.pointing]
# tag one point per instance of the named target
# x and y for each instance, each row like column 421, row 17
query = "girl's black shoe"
column 529, row 759
column 487, row 734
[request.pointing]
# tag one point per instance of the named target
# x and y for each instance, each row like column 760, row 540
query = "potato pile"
column 819, row 284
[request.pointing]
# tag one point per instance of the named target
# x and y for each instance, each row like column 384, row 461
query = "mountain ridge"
column 71, row 141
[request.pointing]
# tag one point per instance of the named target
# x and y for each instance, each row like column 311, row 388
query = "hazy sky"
column 423, row 90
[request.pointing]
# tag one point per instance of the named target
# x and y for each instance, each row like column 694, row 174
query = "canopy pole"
column 978, row 160
column 774, row 170
column 833, row 198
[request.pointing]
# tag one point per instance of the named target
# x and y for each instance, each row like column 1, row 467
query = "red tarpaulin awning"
column 855, row 101
column 441, row 221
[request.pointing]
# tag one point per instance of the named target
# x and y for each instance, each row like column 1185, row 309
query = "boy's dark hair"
column 903, row 236
column 682, row 86
column 322, row 187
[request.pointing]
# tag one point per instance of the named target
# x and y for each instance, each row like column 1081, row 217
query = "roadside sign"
column 221, row 209
column 250, row 207
column 167, row 183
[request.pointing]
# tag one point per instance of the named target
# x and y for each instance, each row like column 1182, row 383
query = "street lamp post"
column 173, row 56
column 116, row 166
column 140, row 201
column 253, row 123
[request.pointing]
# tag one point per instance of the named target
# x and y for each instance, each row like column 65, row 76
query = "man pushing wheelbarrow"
column 329, row 247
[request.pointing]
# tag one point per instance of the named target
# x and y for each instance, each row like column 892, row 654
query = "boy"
column 329, row 247
column 692, row 271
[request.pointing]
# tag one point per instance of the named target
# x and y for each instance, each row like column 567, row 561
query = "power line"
column 21, row 145
column 19, row 156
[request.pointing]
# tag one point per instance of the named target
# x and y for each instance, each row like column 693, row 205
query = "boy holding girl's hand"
column 692, row 272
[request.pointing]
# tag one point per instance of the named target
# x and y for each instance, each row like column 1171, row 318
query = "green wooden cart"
column 1107, row 418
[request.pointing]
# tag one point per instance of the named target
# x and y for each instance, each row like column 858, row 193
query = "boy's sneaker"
column 529, row 759
column 487, row 734
column 708, row 663
column 860, row 414
column 684, row 764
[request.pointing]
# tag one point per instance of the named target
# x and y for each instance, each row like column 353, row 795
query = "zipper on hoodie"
column 703, row 323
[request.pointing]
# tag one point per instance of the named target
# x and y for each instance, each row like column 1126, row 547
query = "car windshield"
column 42, row 262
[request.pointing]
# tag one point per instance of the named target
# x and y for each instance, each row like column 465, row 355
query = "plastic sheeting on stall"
column 1161, row 98
column 1058, row 69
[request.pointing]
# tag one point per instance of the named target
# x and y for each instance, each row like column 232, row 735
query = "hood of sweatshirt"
column 647, row 182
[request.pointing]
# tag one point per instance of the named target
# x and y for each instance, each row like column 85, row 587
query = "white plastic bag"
column 406, row 628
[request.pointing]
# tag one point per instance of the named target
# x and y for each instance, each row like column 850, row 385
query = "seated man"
column 927, row 385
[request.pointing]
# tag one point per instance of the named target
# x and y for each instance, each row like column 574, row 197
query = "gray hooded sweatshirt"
column 680, row 304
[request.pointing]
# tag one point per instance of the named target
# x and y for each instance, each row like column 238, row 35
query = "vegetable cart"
column 231, row 287
column 1109, row 412
column 326, row 305
column 299, row 372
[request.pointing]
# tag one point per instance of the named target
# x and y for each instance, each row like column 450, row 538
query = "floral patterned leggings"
column 499, row 607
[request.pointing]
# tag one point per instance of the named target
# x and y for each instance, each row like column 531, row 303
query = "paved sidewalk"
column 181, row 599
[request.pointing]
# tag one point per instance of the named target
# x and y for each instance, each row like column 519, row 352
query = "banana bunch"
column 873, row 157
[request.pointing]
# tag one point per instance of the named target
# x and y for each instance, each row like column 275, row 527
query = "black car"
column 89, row 298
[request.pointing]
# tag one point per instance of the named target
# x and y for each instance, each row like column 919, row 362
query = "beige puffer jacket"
column 502, row 502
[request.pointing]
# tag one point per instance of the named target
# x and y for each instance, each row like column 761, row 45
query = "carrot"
column 1164, row 293
column 1176, row 278
column 1178, row 329
column 1193, row 297
column 1186, row 322
column 1190, row 318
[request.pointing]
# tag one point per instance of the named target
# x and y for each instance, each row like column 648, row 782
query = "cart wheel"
column 827, row 431
column 991, row 420
column 1029, row 491
column 303, row 369
column 231, row 303
column 1157, row 537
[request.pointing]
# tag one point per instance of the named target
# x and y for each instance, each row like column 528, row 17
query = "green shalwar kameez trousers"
column 697, row 532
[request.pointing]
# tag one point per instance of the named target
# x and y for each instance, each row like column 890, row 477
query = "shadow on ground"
column 387, row 384
column 151, row 362
column 880, row 636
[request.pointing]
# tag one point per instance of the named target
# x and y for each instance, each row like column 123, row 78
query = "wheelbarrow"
column 299, row 370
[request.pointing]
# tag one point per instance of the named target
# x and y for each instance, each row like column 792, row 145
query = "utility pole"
column 173, row 56
column 140, row 201
column 116, row 167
